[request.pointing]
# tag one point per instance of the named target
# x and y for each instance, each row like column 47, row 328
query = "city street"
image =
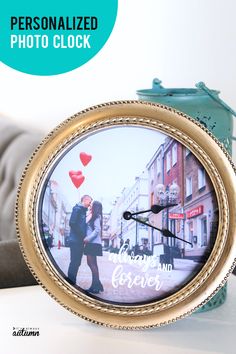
column 129, row 283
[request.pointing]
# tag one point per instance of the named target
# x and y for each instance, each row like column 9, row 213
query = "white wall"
column 181, row 42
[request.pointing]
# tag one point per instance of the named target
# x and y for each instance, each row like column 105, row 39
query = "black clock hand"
column 168, row 233
column 165, row 232
column 155, row 209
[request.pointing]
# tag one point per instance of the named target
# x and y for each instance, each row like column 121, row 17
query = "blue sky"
column 118, row 156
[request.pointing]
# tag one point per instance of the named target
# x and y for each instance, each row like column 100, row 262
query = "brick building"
column 165, row 170
column 200, row 208
column 195, row 216
column 173, row 173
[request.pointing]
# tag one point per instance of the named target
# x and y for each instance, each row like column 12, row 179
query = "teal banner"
column 54, row 37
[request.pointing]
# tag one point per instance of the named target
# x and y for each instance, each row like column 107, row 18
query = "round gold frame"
column 210, row 153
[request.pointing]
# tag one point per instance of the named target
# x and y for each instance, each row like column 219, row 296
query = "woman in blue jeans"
column 93, row 245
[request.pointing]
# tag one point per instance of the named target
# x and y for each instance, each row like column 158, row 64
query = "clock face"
column 128, row 215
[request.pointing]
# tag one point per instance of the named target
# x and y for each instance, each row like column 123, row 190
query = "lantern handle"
column 201, row 85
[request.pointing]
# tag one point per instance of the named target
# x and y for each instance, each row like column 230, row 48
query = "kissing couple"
column 86, row 238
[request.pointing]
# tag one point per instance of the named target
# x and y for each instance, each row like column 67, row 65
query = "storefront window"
column 201, row 178
column 189, row 186
column 168, row 162
column 190, row 232
column 203, row 231
column 158, row 165
column 174, row 154
column 172, row 228
column 152, row 173
column 187, row 152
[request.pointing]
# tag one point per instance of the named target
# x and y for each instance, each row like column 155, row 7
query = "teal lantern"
column 204, row 105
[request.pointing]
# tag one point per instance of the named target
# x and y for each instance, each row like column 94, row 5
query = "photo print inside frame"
column 128, row 215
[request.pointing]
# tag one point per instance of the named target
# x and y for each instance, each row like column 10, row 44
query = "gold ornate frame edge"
column 126, row 110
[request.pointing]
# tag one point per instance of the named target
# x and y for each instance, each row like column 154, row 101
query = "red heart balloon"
column 85, row 158
column 77, row 180
column 74, row 173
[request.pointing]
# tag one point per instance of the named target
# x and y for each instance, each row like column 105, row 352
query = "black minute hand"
column 165, row 232
column 155, row 209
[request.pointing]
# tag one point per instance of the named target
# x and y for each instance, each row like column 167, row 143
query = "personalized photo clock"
column 126, row 215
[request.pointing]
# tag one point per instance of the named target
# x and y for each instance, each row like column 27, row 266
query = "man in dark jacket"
column 78, row 230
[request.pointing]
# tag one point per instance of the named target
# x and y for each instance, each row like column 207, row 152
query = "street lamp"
column 174, row 193
column 167, row 196
column 160, row 193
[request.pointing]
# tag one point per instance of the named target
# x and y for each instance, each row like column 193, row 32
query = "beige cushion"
column 16, row 146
